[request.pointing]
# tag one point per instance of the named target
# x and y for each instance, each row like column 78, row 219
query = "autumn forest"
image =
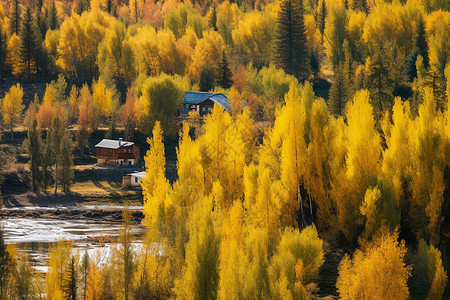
column 327, row 177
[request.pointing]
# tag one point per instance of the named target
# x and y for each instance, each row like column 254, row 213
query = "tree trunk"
column 56, row 178
column 301, row 205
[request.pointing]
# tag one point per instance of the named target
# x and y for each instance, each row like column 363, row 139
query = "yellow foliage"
column 297, row 261
column 264, row 201
column 60, row 254
column 378, row 272
column 291, row 125
column 190, row 172
column 318, row 165
column 207, row 52
column 363, row 149
column 436, row 273
column 12, row 106
column 397, row 156
column 154, row 185
column 14, row 60
column 427, row 179
column 253, row 35
column 233, row 264
column 104, row 102
column 222, row 155
column 201, row 275
column 438, row 33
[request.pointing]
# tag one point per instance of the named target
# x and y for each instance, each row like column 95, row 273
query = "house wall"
column 202, row 108
column 124, row 156
column 131, row 181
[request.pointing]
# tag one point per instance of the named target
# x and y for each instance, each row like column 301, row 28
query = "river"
column 35, row 236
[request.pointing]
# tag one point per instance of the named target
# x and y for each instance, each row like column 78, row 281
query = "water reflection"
column 35, row 236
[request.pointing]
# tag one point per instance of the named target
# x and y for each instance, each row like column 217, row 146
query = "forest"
column 337, row 139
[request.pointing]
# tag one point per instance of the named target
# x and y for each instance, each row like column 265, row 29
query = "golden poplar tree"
column 362, row 156
column 428, row 177
column 12, row 107
column 291, row 125
column 200, row 277
column 377, row 272
column 155, row 183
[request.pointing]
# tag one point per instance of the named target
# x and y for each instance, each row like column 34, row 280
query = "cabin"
column 203, row 103
column 117, row 153
column 133, row 179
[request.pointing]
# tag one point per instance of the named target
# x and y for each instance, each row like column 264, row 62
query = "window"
column 203, row 108
column 135, row 179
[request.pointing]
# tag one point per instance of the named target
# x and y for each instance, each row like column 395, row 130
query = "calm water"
column 35, row 236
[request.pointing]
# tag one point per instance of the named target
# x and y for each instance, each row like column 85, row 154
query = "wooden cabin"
column 117, row 153
column 203, row 103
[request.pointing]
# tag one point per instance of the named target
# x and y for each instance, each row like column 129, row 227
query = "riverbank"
column 95, row 213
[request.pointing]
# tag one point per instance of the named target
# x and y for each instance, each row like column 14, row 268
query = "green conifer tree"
column 421, row 42
column 212, row 18
column 339, row 92
column 55, row 136
column 33, row 145
column 15, row 17
column 48, row 160
column 85, row 273
column 66, row 172
column 69, row 285
column 321, row 17
column 379, row 79
column 28, row 42
column 3, row 44
column 224, row 73
column 290, row 39
column 207, row 78
column 52, row 16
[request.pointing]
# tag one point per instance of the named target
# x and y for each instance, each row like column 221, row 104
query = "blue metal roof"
column 222, row 100
column 195, row 97
column 198, row 97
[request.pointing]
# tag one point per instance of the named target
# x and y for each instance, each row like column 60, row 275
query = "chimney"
column 120, row 142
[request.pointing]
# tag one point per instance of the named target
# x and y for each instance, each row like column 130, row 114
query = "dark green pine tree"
column 110, row 7
column 15, row 17
column 436, row 81
column 70, row 281
column 52, row 20
column 339, row 92
column 207, row 78
column 33, row 145
column 212, row 18
column 291, row 53
column 3, row 45
column 321, row 16
column 56, row 135
column 79, row 8
column 41, row 21
column 224, row 74
column 379, row 78
column 28, row 41
column 66, row 172
column 421, row 42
